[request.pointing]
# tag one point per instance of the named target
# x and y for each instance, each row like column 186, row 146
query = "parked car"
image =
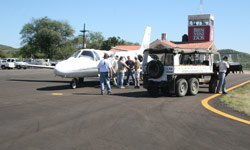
column 2, row 63
column 11, row 63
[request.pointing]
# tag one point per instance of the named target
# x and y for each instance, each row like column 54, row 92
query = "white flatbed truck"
column 179, row 72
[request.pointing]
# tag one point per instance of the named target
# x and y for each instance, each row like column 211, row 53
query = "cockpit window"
column 88, row 54
column 76, row 54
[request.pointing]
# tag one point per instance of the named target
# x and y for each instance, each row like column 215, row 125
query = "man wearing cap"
column 223, row 66
column 105, row 71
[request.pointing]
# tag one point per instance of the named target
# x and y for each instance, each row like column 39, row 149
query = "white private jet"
column 83, row 63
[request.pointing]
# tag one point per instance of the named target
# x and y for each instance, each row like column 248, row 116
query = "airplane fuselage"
column 82, row 63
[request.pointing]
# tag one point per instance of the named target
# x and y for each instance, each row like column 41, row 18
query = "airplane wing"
column 38, row 66
column 125, row 50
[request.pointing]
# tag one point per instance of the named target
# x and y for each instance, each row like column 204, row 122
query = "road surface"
column 40, row 112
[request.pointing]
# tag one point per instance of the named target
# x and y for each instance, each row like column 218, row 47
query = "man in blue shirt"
column 105, row 71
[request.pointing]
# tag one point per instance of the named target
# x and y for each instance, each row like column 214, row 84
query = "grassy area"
column 239, row 99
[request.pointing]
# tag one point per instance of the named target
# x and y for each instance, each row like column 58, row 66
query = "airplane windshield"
column 97, row 55
column 87, row 54
column 76, row 54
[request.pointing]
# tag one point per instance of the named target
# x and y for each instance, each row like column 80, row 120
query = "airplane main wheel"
column 74, row 83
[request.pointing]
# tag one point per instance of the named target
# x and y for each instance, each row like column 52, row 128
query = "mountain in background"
column 7, row 49
column 244, row 57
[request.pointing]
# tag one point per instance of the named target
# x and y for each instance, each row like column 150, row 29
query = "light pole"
column 83, row 36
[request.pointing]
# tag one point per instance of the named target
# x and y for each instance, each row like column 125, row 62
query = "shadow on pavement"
column 49, row 81
column 82, row 94
column 139, row 94
column 54, row 88
column 64, row 87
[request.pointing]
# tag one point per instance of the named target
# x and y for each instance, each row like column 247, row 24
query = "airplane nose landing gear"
column 76, row 82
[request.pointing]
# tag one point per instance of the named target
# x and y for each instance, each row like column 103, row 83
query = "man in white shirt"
column 223, row 66
column 105, row 71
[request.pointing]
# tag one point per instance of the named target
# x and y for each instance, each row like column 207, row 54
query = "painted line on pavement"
column 207, row 106
column 57, row 94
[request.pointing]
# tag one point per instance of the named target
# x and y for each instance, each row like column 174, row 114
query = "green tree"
column 2, row 54
column 111, row 42
column 93, row 40
column 45, row 36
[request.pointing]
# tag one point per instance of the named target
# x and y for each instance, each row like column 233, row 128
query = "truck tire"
column 213, row 85
column 181, row 87
column 18, row 67
column 193, row 86
column 3, row 67
column 153, row 91
column 155, row 69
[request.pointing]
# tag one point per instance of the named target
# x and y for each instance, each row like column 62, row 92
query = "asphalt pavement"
column 40, row 112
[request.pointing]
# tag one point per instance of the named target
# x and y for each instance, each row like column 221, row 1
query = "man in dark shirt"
column 131, row 71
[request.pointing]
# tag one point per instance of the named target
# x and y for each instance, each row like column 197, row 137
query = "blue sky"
column 128, row 18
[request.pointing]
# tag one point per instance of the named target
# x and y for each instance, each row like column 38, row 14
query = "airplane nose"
column 59, row 70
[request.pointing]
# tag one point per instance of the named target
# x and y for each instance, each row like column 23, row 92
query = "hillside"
column 244, row 57
column 7, row 48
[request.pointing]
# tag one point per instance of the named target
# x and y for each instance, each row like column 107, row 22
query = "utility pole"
column 83, row 36
column 201, row 3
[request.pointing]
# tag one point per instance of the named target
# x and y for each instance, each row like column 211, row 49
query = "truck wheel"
column 193, row 86
column 18, row 67
column 153, row 91
column 213, row 85
column 3, row 67
column 74, row 83
column 181, row 87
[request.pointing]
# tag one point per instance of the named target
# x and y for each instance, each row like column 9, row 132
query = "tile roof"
column 201, row 45
column 191, row 45
column 125, row 47
column 169, row 43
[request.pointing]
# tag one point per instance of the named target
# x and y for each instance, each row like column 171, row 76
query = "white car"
column 12, row 63
column 2, row 63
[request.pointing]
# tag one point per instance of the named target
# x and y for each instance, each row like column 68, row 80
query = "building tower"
column 200, row 28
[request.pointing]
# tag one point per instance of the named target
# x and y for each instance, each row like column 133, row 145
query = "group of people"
column 132, row 68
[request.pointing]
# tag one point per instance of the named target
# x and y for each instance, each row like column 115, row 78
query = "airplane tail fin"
column 146, row 39
column 145, row 42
